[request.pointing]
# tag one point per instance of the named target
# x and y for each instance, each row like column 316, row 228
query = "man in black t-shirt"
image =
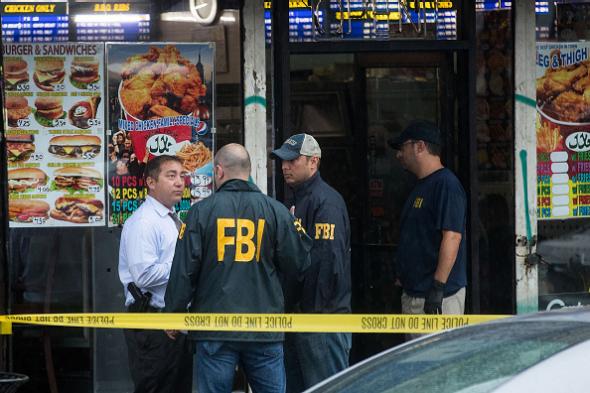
column 431, row 255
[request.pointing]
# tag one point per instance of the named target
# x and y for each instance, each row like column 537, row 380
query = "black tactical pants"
column 159, row 364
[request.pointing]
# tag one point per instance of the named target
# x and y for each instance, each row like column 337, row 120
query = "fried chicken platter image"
column 160, row 83
column 563, row 93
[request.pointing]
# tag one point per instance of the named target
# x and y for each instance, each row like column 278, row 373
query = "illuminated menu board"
column 34, row 22
column 111, row 21
column 390, row 18
column 300, row 23
column 357, row 19
column 541, row 7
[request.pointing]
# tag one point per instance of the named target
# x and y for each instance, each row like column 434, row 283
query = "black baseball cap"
column 418, row 130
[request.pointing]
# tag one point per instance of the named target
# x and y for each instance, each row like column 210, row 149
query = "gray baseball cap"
column 298, row 145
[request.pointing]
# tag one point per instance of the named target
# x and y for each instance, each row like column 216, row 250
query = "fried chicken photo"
column 17, row 108
column 560, row 80
column 569, row 106
column 160, row 83
column 563, row 93
column 163, row 111
column 582, row 84
column 136, row 102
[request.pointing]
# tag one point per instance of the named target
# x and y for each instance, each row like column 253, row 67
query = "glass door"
column 397, row 90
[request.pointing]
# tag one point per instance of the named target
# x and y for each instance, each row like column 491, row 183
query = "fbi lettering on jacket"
column 324, row 231
column 242, row 235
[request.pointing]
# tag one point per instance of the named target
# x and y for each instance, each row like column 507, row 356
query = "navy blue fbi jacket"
column 323, row 214
column 230, row 256
column 437, row 203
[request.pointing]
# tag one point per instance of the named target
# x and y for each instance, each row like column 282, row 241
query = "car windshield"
column 473, row 360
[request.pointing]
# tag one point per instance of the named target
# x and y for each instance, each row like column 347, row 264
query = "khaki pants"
column 453, row 305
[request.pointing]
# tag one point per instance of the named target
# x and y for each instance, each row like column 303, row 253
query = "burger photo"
column 15, row 73
column 77, row 210
column 76, row 179
column 17, row 108
column 48, row 110
column 83, row 71
column 82, row 111
column 49, row 71
column 75, row 146
column 19, row 147
column 25, row 179
column 25, row 210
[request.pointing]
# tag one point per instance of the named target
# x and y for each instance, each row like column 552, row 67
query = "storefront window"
column 74, row 269
column 562, row 158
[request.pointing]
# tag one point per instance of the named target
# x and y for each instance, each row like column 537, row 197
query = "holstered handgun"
column 142, row 300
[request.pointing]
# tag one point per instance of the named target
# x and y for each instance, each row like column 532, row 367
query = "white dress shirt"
column 147, row 249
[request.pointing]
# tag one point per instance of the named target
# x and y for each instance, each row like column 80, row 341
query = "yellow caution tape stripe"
column 354, row 323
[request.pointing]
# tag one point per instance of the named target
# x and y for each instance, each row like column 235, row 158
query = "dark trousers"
column 262, row 363
column 313, row 357
column 159, row 364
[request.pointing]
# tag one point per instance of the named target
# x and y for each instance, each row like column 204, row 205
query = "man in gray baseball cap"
column 320, row 209
column 298, row 145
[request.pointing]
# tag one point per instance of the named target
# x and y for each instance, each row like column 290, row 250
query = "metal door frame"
column 462, row 59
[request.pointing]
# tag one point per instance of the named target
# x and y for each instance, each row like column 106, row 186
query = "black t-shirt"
column 437, row 203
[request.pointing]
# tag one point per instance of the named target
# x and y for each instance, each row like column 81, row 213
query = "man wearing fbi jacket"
column 231, row 254
column 312, row 357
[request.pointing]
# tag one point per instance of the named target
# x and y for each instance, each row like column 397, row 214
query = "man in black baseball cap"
column 421, row 130
column 431, row 254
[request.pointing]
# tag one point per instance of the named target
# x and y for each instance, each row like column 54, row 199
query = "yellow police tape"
column 354, row 323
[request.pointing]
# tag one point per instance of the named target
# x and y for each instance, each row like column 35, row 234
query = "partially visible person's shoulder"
column 326, row 194
column 447, row 178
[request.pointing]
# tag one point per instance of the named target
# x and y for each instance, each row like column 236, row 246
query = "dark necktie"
column 177, row 221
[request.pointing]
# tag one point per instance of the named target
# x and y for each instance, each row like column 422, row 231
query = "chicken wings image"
column 569, row 106
column 563, row 93
column 160, row 83
column 558, row 81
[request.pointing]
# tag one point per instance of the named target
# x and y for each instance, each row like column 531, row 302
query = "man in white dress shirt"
column 158, row 363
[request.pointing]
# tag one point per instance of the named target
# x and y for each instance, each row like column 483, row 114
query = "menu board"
column 135, row 30
column 160, row 103
column 357, row 19
column 563, row 130
column 34, row 22
column 111, row 21
column 541, row 6
column 300, row 23
column 54, row 128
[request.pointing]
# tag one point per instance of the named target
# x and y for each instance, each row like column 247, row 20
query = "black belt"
column 150, row 309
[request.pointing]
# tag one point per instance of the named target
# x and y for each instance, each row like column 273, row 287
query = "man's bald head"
column 234, row 160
